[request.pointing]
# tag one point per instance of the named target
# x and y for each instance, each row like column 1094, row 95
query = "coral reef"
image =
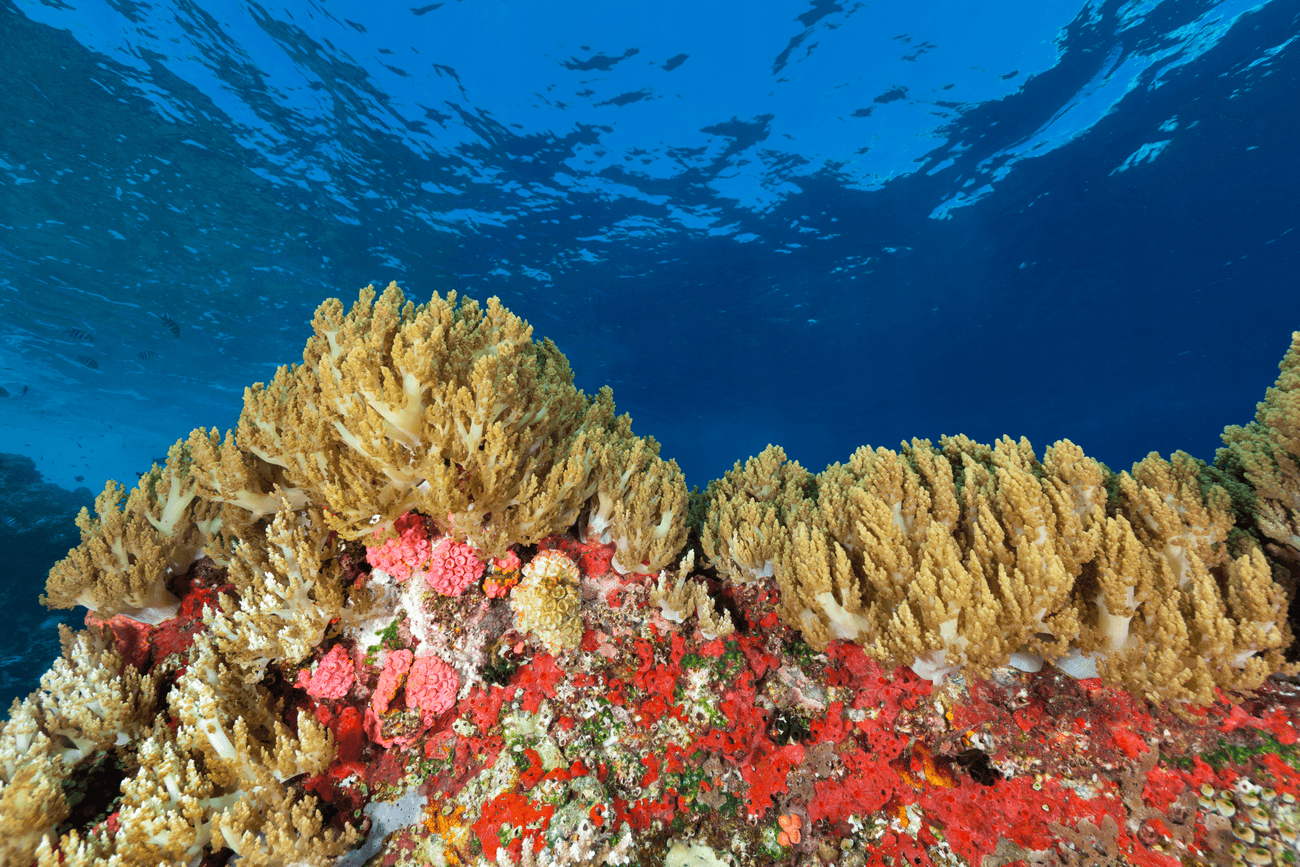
column 835, row 668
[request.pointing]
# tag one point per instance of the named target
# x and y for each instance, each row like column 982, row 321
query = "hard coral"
column 505, row 575
column 499, row 585
column 453, row 567
column 431, row 686
column 410, row 550
column 547, row 603
column 790, row 825
column 333, row 676
column 508, row 563
column 396, row 665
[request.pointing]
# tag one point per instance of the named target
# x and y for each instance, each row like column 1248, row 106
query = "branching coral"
column 1190, row 635
column 750, row 509
column 234, row 724
column 126, row 553
column 1266, row 453
column 167, row 807
column 640, row 503
column 679, row 599
column 969, row 556
column 118, row 568
column 171, row 812
column 288, row 592
column 89, row 701
column 226, row 473
column 453, row 410
column 276, row 827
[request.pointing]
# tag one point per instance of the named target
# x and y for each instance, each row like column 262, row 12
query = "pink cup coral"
column 431, row 686
column 396, row 665
column 453, row 567
column 333, row 676
column 409, row 551
column 508, row 563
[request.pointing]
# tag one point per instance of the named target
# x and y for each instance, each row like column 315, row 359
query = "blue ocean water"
column 818, row 223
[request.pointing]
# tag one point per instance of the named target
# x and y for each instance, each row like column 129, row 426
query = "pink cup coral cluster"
column 333, row 676
column 430, row 683
column 431, row 686
column 505, row 575
column 509, row 563
column 449, row 566
column 409, row 551
column 391, row 676
column 453, row 567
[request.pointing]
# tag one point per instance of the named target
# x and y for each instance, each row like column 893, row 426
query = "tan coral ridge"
column 1266, row 455
column 967, row 556
column 452, row 410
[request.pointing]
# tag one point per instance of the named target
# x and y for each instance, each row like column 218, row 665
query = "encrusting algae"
column 431, row 604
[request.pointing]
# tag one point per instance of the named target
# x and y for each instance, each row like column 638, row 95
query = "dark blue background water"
column 820, row 224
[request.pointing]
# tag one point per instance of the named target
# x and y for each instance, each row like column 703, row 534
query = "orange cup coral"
column 790, row 825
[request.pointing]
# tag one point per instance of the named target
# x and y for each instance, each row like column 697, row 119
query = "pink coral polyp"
column 333, row 677
column 410, row 551
column 453, row 568
column 431, row 686
column 396, row 665
column 508, row 563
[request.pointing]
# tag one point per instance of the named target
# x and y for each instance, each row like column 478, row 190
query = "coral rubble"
column 431, row 604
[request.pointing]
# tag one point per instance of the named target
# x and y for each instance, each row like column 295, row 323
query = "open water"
column 819, row 223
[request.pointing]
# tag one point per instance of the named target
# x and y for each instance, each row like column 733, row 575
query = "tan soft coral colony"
column 452, row 411
column 1167, row 579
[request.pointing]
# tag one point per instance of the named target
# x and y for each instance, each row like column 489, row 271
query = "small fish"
column 88, row 361
column 83, row 336
column 9, row 521
column 171, row 324
column 147, row 354
column 80, row 478
column 3, row 393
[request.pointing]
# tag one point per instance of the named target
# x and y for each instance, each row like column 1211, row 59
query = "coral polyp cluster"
column 430, row 604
